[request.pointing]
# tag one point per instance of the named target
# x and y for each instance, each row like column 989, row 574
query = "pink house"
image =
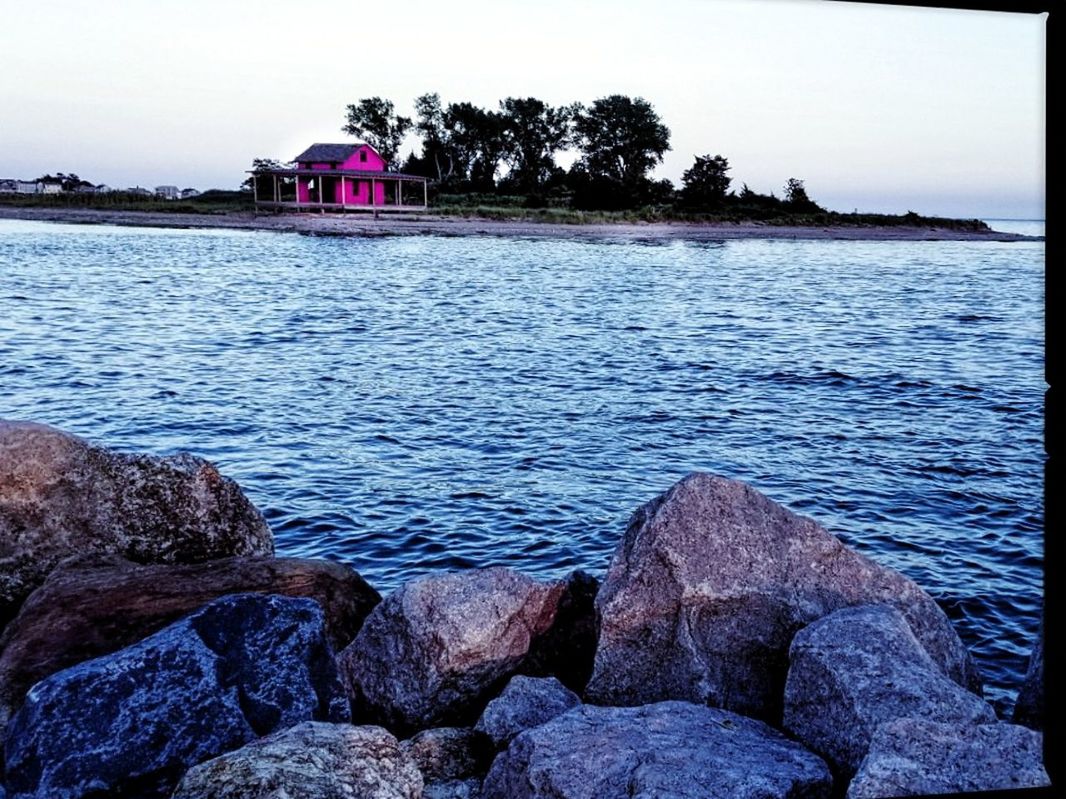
column 339, row 177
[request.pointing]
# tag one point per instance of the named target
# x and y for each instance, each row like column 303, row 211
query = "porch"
column 339, row 190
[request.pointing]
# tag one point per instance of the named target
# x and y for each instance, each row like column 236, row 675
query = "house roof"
column 329, row 152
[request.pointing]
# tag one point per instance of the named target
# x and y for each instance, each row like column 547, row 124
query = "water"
column 415, row 404
column 1027, row 227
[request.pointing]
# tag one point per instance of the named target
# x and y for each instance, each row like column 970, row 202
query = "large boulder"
column 434, row 651
column 60, row 496
column 674, row 749
column 1029, row 708
column 133, row 722
column 918, row 757
column 710, row 583
column 526, row 702
column 94, row 605
column 312, row 760
column 859, row 668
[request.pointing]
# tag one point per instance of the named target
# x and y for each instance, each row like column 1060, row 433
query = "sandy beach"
column 430, row 225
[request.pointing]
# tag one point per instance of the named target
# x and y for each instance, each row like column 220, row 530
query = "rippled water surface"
column 411, row 404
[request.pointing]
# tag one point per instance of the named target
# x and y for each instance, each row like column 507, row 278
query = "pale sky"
column 880, row 108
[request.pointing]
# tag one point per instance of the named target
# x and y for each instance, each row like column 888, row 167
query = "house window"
column 362, row 156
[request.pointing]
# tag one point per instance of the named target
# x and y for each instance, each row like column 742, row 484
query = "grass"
column 210, row 202
column 507, row 208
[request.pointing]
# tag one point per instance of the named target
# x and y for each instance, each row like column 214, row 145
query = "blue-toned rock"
column 526, row 702
column 1029, row 709
column 668, row 749
column 133, row 722
column 862, row 667
column 917, row 757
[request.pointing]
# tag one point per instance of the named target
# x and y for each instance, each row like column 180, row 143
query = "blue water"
column 412, row 404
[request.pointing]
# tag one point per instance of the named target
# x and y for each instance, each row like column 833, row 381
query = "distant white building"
column 8, row 186
column 167, row 192
column 27, row 187
column 139, row 191
column 104, row 189
column 187, row 193
column 51, row 186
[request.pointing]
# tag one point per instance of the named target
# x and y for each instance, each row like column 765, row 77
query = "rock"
column 445, row 754
column 60, row 496
column 453, row 789
column 674, row 749
column 94, row 605
column 312, row 760
column 567, row 649
column 526, row 702
column 434, row 650
column 710, row 583
column 917, row 757
column 1029, row 708
column 133, row 722
column 858, row 668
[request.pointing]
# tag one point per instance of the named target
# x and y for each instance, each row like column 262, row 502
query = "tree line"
column 511, row 150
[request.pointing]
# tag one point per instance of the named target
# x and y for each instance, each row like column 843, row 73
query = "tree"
column 706, row 183
column 533, row 133
column 375, row 121
column 621, row 139
column 796, row 197
column 259, row 167
column 477, row 140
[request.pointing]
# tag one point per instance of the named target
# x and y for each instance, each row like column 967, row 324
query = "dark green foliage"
column 796, row 199
column 621, row 139
column 259, row 166
column 706, row 182
column 533, row 133
column 374, row 121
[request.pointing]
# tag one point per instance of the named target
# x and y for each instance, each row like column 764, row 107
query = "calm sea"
column 412, row 404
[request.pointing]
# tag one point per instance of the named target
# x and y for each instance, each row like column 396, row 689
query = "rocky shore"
column 364, row 225
column 151, row 645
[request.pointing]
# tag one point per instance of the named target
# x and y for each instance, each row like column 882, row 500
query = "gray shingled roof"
column 328, row 152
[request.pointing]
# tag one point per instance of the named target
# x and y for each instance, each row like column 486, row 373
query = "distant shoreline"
column 429, row 225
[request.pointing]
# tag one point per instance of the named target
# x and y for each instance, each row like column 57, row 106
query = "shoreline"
column 430, row 225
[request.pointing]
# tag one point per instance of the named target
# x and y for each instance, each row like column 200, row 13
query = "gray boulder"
column 1029, row 708
column 858, row 668
column 710, row 583
column 312, row 760
column 526, row 702
column 917, row 757
column 133, row 722
column 434, row 650
column 94, row 605
column 446, row 754
column 60, row 496
column 674, row 749
column 453, row 789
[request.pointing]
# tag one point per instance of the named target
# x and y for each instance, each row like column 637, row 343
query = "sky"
column 877, row 108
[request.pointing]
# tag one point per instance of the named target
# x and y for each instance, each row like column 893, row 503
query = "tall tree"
column 706, row 182
column 621, row 139
column 533, row 132
column 477, row 143
column 796, row 197
column 374, row 121
column 430, row 124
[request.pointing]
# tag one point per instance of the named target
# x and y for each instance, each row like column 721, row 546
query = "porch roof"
column 348, row 173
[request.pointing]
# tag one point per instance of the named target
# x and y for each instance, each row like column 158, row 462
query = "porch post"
column 277, row 194
column 321, row 210
column 296, row 177
column 399, row 193
column 425, row 194
column 343, row 201
column 255, row 189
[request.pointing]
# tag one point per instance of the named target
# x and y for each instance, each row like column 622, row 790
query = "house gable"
column 359, row 156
